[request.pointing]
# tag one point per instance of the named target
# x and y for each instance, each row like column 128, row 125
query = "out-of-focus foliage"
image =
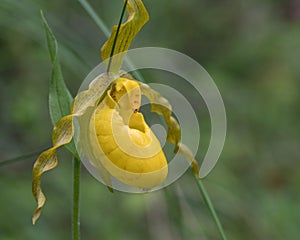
column 251, row 49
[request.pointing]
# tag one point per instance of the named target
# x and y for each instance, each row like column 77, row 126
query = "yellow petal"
column 123, row 161
column 161, row 106
column 46, row 161
column 127, row 149
column 187, row 153
column 62, row 134
column 137, row 17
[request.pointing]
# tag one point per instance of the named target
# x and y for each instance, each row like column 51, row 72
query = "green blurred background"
column 250, row 48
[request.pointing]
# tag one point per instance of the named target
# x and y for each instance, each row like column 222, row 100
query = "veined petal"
column 62, row 134
column 137, row 17
column 187, row 153
column 46, row 161
column 161, row 106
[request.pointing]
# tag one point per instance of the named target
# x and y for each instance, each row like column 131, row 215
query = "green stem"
column 20, row 158
column 76, row 198
column 210, row 206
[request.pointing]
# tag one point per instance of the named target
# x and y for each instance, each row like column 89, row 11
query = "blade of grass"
column 95, row 17
column 20, row 158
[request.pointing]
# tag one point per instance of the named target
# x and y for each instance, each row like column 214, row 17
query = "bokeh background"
column 250, row 48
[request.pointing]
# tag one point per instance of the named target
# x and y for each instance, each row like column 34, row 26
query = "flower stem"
column 210, row 206
column 76, row 198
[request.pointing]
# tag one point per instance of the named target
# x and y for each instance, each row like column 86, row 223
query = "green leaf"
column 60, row 98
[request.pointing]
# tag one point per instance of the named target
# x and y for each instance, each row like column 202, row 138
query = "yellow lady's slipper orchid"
column 129, row 149
column 113, row 133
